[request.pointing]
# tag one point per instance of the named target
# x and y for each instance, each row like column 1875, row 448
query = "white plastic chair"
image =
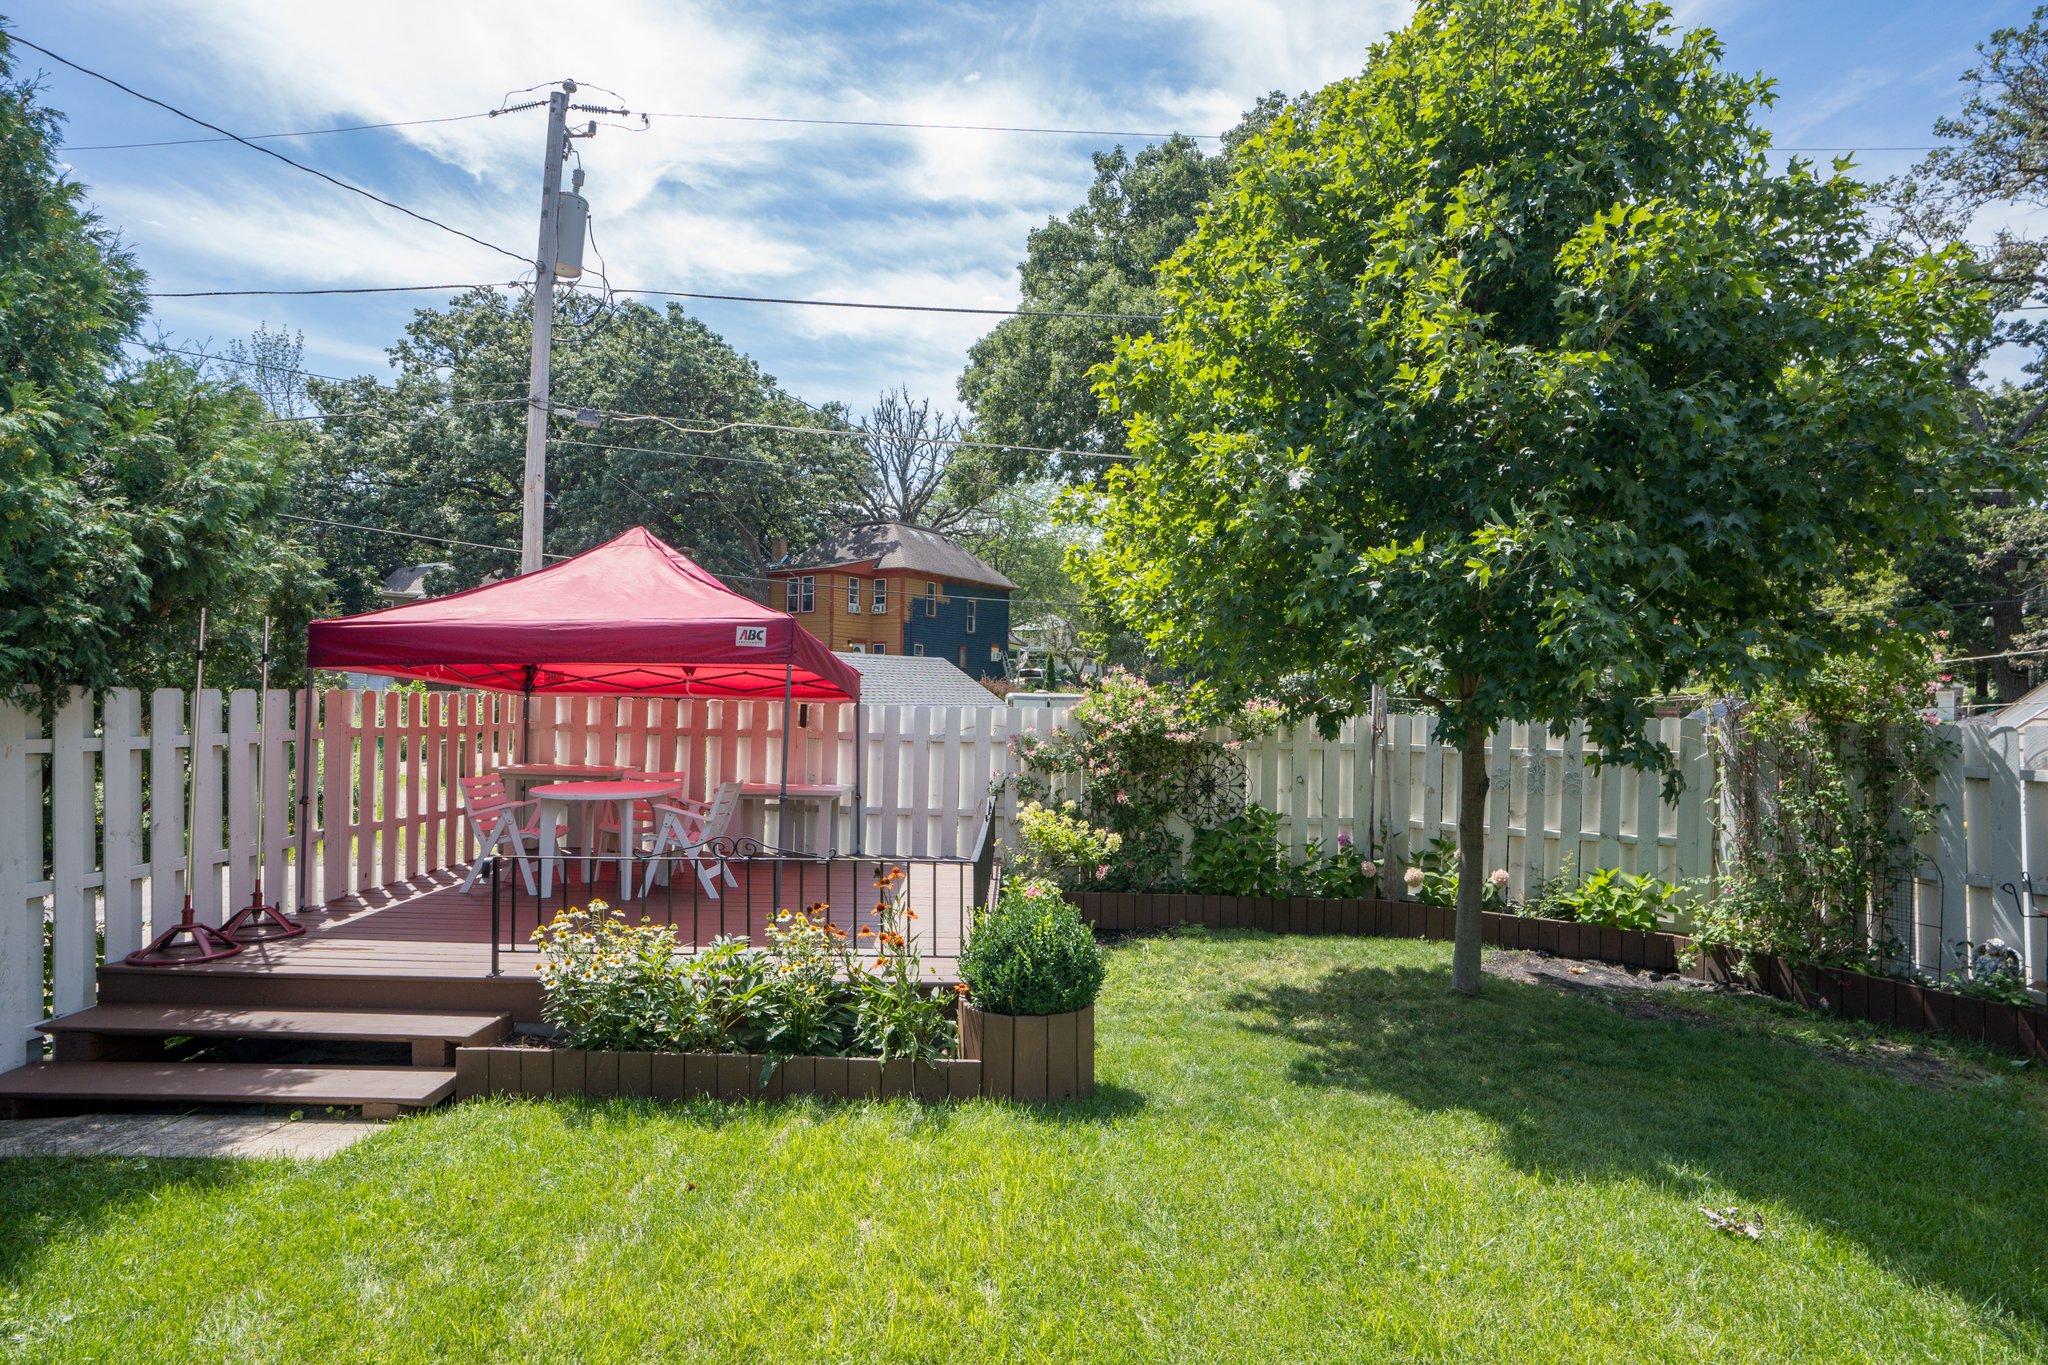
column 644, row 817
column 681, row 831
column 494, row 821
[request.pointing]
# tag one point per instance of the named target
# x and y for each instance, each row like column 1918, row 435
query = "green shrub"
column 1606, row 896
column 1433, row 878
column 1031, row 954
column 1242, row 856
column 1340, row 871
column 1055, row 842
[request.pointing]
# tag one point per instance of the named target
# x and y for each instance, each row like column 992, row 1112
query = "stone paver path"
column 181, row 1135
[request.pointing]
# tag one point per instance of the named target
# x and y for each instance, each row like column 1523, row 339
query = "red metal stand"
column 258, row 922
column 206, row 943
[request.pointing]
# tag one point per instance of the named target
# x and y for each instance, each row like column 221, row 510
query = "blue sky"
column 934, row 217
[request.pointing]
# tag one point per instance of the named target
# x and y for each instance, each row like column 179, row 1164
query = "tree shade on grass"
column 1299, row 1149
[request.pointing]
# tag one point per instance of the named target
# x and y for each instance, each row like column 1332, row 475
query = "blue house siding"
column 945, row 635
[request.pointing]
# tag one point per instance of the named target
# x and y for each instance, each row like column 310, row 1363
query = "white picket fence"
column 92, row 806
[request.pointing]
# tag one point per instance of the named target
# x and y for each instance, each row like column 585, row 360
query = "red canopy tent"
column 632, row 617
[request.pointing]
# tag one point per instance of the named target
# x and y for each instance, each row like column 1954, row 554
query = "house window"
column 995, row 654
column 853, row 595
column 881, row 595
column 878, row 648
column 971, row 604
column 810, row 593
column 917, row 650
column 931, row 599
column 855, row 647
column 794, row 600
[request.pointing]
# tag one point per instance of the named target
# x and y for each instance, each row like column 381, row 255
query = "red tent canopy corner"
column 631, row 617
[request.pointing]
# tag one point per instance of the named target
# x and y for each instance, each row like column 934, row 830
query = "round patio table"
column 557, row 798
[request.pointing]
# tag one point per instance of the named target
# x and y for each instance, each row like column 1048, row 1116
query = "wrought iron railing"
column 749, row 882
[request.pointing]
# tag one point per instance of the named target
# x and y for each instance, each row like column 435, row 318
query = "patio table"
column 526, row 774
column 815, row 799
column 556, row 799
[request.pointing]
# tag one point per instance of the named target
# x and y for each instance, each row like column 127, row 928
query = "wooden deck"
column 425, row 944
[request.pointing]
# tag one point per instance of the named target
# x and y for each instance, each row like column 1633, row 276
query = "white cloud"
column 694, row 203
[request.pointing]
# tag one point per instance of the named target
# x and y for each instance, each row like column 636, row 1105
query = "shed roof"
column 895, row 545
column 916, row 680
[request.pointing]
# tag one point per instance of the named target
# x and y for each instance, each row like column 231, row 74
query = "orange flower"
column 961, row 988
column 866, row 932
column 910, row 914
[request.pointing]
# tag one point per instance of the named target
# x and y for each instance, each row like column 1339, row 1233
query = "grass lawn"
column 1301, row 1149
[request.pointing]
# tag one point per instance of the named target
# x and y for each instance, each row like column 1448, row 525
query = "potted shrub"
column 1030, row 973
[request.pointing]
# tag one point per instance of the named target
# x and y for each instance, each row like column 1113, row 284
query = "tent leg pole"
column 860, row 779
column 782, row 796
column 526, row 719
column 306, row 705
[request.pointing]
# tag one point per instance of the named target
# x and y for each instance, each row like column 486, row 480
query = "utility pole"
column 534, row 486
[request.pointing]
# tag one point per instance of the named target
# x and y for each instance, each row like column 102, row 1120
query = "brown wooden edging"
column 2017, row 1029
column 562, row 1072
column 1031, row 1057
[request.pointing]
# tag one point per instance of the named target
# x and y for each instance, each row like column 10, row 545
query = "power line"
column 733, row 577
column 309, row 293
column 280, row 156
column 287, row 369
column 938, row 127
column 844, row 433
column 671, row 294
column 405, row 535
column 902, row 307
column 264, row 137
column 393, row 421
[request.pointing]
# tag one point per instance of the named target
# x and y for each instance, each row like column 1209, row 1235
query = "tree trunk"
column 1472, row 784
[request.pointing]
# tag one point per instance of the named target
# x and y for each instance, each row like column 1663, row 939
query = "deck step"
column 107, row 1031
column 381, row 1091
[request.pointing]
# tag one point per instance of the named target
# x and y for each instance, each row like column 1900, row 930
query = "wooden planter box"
column 1031, row 1057
column 561, row 1072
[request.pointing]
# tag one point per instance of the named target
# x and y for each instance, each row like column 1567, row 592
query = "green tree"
column 1509, row 373
column 132, row 496
column 1992, row 574
column 440, row 450
column 1028, row 381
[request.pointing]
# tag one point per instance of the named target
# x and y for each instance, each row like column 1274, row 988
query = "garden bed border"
column 2018, row 1029
column 563, row 1072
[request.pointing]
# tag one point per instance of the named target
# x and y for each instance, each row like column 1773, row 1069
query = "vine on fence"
column 1826, row 793
column 1141, row 756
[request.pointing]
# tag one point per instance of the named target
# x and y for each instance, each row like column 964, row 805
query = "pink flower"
column 1369, row 869
column 1344, row 839
column 1032, row 891
column 1499, row 877
column 1102, row 872
column 1413, row 876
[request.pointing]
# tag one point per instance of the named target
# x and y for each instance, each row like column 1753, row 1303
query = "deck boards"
column 465, row 1028
column 230, row 1083
column 426, row 945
